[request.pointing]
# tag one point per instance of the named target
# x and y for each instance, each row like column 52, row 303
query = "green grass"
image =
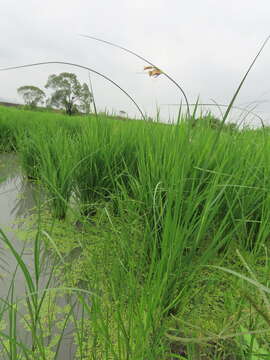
column 148, row 218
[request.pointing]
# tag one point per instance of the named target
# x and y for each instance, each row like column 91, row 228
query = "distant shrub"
column 213, row 122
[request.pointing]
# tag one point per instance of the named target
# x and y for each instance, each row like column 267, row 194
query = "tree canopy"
column 31, row 95
column 68, row 93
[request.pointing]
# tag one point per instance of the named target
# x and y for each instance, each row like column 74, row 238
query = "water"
column 17, row 203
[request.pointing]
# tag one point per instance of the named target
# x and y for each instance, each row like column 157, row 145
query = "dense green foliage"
column 31, row 95
column 69, row 93
column 152, row 208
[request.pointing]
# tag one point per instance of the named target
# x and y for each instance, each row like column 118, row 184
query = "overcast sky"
column 206, row 45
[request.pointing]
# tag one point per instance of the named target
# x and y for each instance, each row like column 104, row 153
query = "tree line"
column 67, row 93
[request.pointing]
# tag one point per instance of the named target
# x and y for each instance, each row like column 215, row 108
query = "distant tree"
column 69, row 93
column 31, row 95
column 86, row 99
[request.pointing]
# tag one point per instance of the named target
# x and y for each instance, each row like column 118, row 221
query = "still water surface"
column 17, row 203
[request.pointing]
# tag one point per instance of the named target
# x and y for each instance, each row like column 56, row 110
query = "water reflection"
column 15, row 205
column 9, row 165
column 18, row 199
column 27, row 199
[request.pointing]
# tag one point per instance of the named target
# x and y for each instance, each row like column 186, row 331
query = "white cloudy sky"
column 206, row 45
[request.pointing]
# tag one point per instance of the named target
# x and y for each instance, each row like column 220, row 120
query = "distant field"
column 8, row 104
column 171, row 224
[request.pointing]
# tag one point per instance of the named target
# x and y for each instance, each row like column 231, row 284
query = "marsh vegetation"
column 158, row 233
